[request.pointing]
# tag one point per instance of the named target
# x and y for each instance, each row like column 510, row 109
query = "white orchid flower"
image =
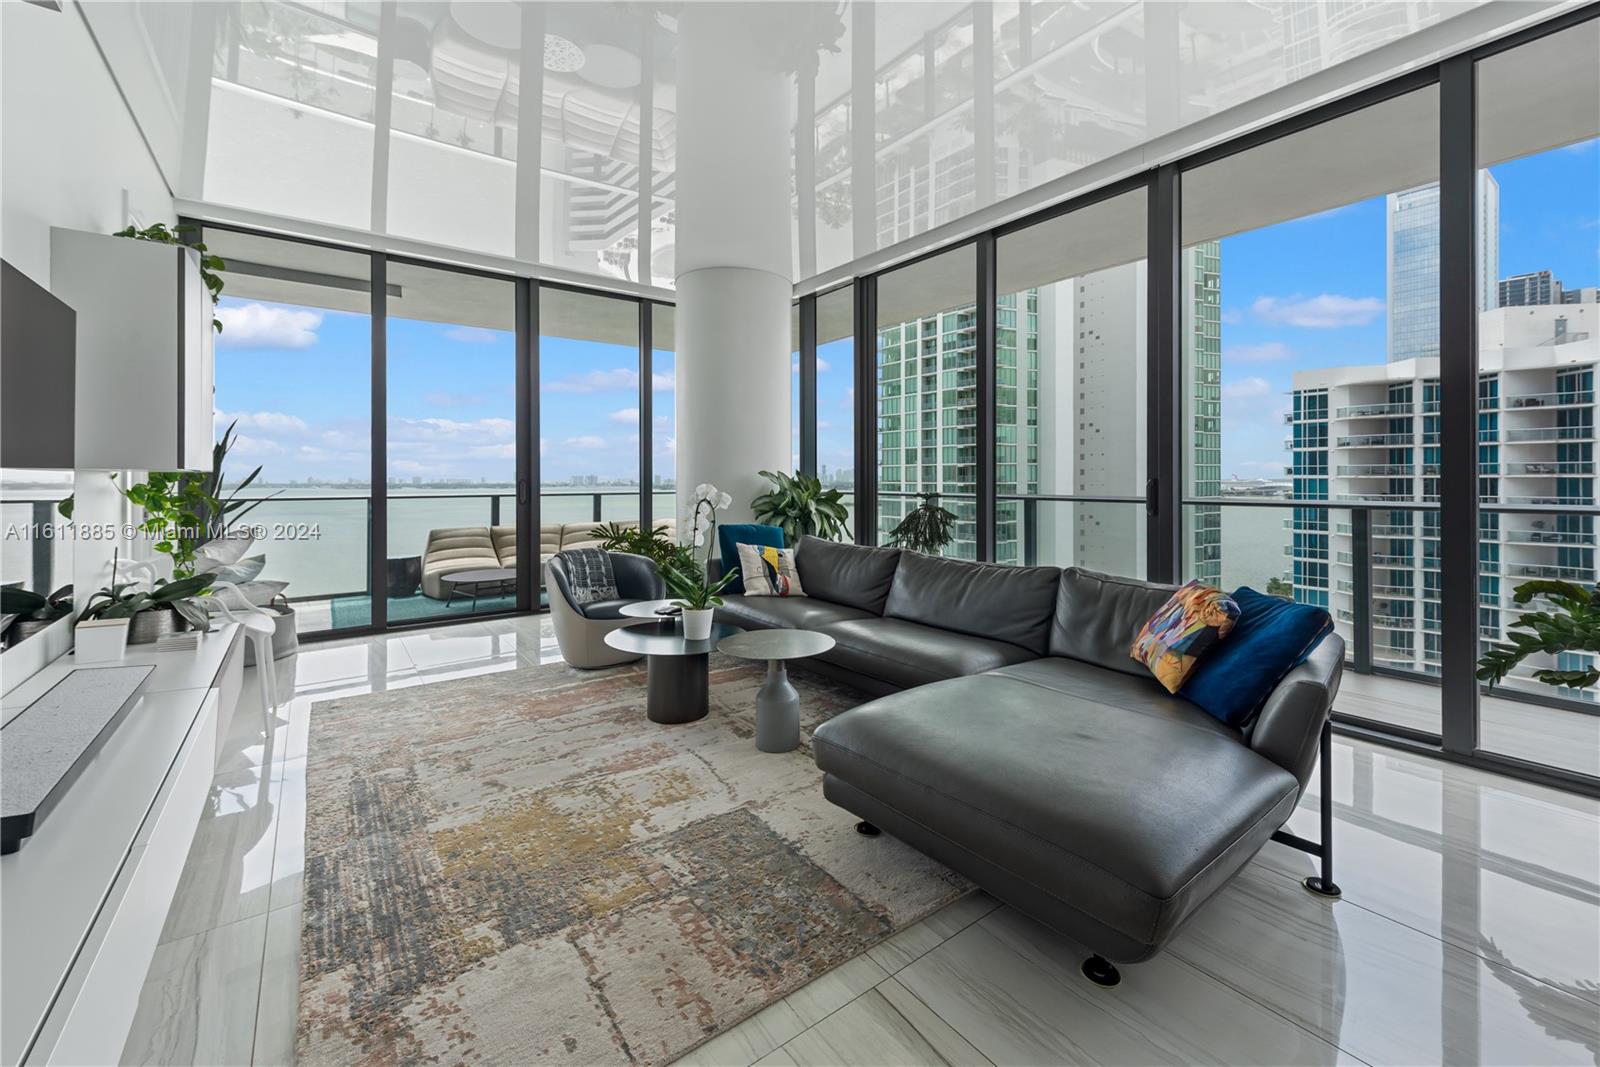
column 723, row 500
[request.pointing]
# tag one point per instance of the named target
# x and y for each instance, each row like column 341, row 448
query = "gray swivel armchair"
column 581, row 631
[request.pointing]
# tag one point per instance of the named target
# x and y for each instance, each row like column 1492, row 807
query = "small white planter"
column 100, row 641
column 697, row 624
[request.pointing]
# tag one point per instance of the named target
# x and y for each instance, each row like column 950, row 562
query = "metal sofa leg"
column 1101, row 971
column 866, row 829
column 1322, row 885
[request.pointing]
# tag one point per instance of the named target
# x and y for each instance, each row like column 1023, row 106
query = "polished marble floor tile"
column 871, row 1031
column 228, row 873
column 921, row 938
column 278, row 1009
column 1013, row 990
column 198, row 1005
column 1377, row 988
column 1469, row 931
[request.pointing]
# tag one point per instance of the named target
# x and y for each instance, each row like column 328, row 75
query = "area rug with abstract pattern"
column 521, row 867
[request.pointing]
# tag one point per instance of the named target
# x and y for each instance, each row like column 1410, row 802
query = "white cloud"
column 1326, row 311
column 587, row 440
column 1266, row 352
column 663, row 383
column 264, row 421
column 267, row 326
column 1232, row 316
column 823, row 366
column 248, row 445
column 595, row 381
column 626, row 416
column 1246, row 388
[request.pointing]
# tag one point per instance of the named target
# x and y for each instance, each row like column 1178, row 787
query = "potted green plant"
column 177, row 511
column 152, row 609
column 928, row 528
column 31, row 612
column 698, row 596
column 1574, row 626
column 163, row 234
column 801, row 505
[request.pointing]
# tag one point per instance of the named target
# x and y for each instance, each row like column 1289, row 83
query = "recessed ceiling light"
column 561, row 55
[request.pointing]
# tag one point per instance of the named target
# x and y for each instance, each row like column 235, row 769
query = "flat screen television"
column 38, row 374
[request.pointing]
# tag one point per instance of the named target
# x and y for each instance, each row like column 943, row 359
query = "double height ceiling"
column 404, row 125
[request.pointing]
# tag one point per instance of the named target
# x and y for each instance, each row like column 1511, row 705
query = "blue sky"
column 1311, row 292
column 1304, row 293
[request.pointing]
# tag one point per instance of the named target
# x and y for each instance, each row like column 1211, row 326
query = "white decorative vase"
column 100, row 641
column 697, row 624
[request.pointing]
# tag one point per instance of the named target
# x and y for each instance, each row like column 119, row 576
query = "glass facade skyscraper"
column 1413, row 264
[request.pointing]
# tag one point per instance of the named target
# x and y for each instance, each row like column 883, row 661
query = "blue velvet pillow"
column 1271, row 637
column 744, row 533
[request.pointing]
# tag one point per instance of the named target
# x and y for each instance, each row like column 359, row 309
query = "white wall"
column 71, row 156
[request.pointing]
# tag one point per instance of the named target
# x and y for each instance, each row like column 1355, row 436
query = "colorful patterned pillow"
column 1190, row 622
column 769, row 571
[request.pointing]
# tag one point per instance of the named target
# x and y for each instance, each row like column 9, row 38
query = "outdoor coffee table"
column 777, row 702
column 678, row 676
column 477, row 579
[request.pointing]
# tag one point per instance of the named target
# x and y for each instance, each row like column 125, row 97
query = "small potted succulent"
column 686, row 576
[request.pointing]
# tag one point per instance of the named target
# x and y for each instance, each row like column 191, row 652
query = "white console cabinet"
column 83, row 901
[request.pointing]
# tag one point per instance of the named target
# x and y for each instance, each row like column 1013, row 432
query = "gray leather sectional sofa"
column 1021, row 746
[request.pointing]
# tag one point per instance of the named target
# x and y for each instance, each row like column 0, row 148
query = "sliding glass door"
column 450, row 444
column 420, row 506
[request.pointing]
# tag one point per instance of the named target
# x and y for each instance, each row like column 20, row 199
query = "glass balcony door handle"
column 1152, row 498
column 522, row 490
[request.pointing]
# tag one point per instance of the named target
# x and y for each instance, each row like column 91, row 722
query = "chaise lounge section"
column 1019, row 744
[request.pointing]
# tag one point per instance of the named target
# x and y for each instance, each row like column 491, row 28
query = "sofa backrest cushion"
column 733, row 534
column 1011, row 604
column 1097, row 616
column 505, row 544
column 856, row 576
column 549, row 539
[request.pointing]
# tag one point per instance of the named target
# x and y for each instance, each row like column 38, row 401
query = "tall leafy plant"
column 163, row 234
column 654, row 544
column 1573, row 627
column 928, row 528
column 801, row 505
column 177, row 513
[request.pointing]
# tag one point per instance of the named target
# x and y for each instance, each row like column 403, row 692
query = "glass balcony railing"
column 1374, row 440
column 1564, row 399
column 1367, row 411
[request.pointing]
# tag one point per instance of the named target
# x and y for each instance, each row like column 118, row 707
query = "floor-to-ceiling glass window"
column 794, row 387
column 1310, row 368
column 664, row 431
column 1070, row 392
column 293, row 380
column 927, row 394
column 588, row 415
column 451, row 447
column 836, row 393
column 1538, row 346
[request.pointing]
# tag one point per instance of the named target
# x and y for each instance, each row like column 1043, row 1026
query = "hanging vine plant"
column 163, row 234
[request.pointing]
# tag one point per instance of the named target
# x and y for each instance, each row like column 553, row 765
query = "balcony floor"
column 1566, row 739
column 1469, row 931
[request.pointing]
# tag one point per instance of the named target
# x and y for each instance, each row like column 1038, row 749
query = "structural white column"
column 733, row 251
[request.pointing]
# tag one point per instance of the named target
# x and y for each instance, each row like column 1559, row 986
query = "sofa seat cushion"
column 907, row 654
column 779, row 613
column 1133, row 819
column 1143, row 696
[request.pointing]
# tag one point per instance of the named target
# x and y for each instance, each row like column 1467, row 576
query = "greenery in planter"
column 801, row 505
column 653, row 544
column 124, row 600
column 163, row 234
column 177, row 511
column 928, row 528
column 1573, row 627
column 693, row 591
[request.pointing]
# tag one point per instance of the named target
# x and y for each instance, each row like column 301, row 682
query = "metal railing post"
column 1361, row 587
column 494, row 510
column 1030, row 532
column 41, row 546
column 596, row 506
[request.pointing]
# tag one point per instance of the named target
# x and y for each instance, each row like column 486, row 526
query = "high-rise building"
column 1369, row 435
column 1524, row 290
column 1412, row 240
column 1202, row 355
column 1587, row 294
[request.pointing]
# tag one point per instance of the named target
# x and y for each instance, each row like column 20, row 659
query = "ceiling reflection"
column 412, row 119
